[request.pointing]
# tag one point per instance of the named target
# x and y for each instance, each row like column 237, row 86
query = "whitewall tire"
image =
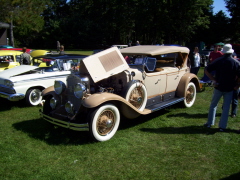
column 104, row 122
column 190, row 95
column 33, row 97
column 137, row 95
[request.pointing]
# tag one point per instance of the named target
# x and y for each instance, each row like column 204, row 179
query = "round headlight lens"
column 8, row 83
column 59, row 87
column 69, row 107
column 53, row 103
column 78, row 90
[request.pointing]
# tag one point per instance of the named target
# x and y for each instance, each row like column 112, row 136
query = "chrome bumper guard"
column 65, row 124
column 12, row 97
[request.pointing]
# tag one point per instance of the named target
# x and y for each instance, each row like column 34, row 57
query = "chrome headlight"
column 69, row 107
column 53, row 103
column 79, row 89
column 8, row 83
column 59, row 87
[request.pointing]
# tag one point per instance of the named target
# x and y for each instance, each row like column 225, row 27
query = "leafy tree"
column 24, row 16
column 233, row 7
column 94, row 23
column 56, row 16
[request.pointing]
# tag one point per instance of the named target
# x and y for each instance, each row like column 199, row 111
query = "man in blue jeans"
column 225, row 80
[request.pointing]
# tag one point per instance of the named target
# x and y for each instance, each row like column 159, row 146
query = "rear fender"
column 188, row 77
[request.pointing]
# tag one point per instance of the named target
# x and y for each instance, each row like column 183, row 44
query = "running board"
column 164, row 104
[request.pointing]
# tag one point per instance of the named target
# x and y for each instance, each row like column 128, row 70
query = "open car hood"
column 6, row 74
column 105, row 64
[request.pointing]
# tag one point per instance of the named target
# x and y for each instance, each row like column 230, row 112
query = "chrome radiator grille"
column 72, row 80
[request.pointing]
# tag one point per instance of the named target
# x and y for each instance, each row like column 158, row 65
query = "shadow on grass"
column 128, row 123
column 186, row 130
column 232, row 177
column 44, row 131
column 8, row 105
column 194, row 116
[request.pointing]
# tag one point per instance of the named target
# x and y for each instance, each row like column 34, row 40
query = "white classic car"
column 27, row 82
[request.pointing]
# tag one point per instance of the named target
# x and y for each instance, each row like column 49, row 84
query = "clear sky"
column 220, row 5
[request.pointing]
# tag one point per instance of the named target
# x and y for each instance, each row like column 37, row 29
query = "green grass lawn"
column 170, row 144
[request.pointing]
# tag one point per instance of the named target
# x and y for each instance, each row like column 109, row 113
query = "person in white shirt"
column 196, row 61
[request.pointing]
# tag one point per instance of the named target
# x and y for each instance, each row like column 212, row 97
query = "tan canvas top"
column 153, row 50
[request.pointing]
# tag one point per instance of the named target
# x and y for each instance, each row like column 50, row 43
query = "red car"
column 17, row 49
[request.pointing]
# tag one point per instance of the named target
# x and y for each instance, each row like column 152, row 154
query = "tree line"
column 89, row 24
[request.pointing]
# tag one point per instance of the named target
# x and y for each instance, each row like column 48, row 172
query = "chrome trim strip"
column 12, row 97
column 65, row 124
column 42, row 78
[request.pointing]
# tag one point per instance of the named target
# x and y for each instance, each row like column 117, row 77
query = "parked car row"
column 11, row 58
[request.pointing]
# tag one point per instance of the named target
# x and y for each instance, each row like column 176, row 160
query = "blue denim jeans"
column 227, row 98
column 235, row 102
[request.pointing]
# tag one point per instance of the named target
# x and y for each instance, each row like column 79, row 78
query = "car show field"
column 166, row 144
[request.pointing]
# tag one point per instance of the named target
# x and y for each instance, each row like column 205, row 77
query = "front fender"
column 48, row 91
column 186, row 78
column 127, row 109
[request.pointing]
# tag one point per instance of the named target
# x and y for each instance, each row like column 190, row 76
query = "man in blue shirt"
column 225, row 80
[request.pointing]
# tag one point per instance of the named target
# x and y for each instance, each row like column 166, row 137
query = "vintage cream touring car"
column 132, row 81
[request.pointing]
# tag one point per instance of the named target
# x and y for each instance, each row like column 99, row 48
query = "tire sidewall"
column 194, row 98
column 130, row 88
column 28, row 97
column 93, row 122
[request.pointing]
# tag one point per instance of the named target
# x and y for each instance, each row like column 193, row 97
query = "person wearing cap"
column 225, row 80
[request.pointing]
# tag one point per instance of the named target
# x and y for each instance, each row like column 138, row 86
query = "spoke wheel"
column 190, row 95
column 137, row 95
column 104, row 122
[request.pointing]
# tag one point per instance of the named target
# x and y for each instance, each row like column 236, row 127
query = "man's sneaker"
column 222, row 130
column 207, row 125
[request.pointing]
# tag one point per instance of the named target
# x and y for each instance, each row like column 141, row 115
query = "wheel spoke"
column 105, row 122
column 136, row 97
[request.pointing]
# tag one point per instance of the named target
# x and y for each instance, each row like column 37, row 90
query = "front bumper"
column 65, row 124
column 12, row 97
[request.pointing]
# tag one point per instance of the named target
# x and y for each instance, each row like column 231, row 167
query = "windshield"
column 50, row 64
